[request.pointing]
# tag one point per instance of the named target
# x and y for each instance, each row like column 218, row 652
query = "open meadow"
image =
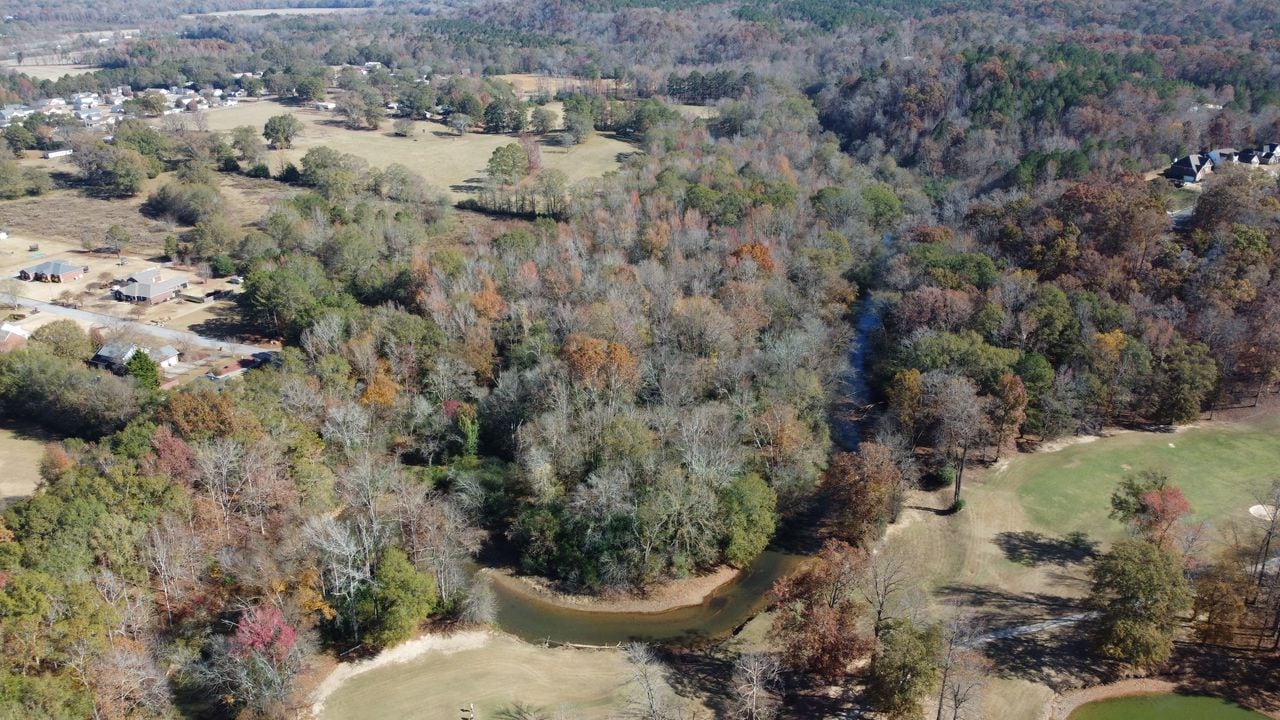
column 51, row 71
column 454, row 164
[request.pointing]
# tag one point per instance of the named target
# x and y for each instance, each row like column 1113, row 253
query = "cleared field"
column 21, row 448
column 67, row 215
column 697, row 112
column 47, row 72
column 262, row 12
column 454, row 164
column 500, row 672
column 528, row 85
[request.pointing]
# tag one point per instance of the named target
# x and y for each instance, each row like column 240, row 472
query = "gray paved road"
column 164, row 333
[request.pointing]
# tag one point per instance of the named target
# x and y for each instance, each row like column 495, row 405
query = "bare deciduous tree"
column 650, row 698
column 757, row 678
column 886, row 578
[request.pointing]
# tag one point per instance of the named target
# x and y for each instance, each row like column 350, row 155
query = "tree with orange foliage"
column 488, row 302
column 757, row 253
column 597, row 364
column 204, row 413
column 381, row 390
column 1009, row 410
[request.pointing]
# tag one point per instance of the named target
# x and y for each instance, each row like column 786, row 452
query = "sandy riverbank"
column 671, row 595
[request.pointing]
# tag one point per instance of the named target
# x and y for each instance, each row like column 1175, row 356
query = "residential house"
column 1250, row 157
column 12, row 113
column 57, row 271
column 52, row 106
column 1190, row 169
column 115, row 356
column 12, row 337
column 85, row 101
column 166, row 356
column 1222, row 156
column 149, row 287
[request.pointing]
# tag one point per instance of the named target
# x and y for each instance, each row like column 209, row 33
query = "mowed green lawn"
column 1220, row 467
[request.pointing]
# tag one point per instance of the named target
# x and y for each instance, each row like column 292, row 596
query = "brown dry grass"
column 66, row 215
column 504, row 670
column 21, row 447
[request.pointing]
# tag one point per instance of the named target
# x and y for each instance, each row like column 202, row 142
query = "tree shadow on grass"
column 1061, row 658
column 225, row 323
column 706, row 675
column 1030, row 548
column 473, row 185
column 1245, row 677
column 995, row 609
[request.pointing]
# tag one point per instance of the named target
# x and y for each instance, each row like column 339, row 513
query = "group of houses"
column 149, row 287
column 1195, row 168
column 91, row 109
column 101, row 111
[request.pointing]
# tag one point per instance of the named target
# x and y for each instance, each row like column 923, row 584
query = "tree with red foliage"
column 1150, row 505
column 172, row 456
column 255, row 667
column 262, row 629
column 1162, row 508
column 818, row 613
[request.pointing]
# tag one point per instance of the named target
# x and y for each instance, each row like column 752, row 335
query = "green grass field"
column 1011, row 554
column 1219, row 467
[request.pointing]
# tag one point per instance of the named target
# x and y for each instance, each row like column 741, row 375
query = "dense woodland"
column 635, row 377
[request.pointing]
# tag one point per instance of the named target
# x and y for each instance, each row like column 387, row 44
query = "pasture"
column 454, row 164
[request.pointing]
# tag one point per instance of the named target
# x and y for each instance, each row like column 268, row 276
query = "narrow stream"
column 536, row 620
